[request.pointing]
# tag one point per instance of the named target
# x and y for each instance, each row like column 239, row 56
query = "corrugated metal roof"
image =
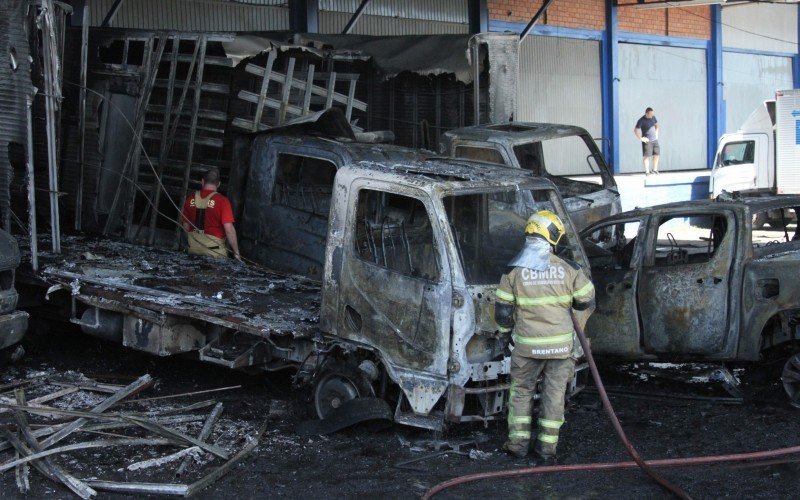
column 188, row 15
column 451, row 11
column 14, row 86
column 334, row 22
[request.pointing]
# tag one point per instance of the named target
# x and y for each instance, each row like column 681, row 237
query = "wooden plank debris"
column 203, row 483
column 22, row 475
column 43, row 399
column 205, row 432
column 29, row 451
column 77, row 486
column 133, row 388
column 183, row 490
column 108, row 443
column 184, row 394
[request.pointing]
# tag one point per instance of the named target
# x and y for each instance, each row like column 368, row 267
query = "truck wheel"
column 338, row 383
column 791, row 379
column 759, row 220
column 776, row 224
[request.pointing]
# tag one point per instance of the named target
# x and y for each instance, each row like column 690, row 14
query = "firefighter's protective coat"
column 542, row 299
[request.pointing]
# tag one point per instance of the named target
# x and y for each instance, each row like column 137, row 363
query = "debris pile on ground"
column 442, row 448
column 63, row 424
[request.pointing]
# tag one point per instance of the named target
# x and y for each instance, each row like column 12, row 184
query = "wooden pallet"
column 304, row 90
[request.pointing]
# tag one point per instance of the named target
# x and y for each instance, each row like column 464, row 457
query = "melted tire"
column 337, row 384
column 791, row 379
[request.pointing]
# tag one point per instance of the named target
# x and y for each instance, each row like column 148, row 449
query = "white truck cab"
column 763, row 156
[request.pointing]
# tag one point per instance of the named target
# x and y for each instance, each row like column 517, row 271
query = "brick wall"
column 585, row 14
column 693, row 22
column 590, row 14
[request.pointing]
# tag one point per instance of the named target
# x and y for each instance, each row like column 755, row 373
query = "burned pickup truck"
column 694, row 281
column 564, row 154
column 12, row 323
column 382, row 270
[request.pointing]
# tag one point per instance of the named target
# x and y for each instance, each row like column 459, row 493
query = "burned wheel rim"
column 791, row 379
column 332, row 391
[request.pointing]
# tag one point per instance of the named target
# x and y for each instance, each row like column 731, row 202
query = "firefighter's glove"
column 504, row 316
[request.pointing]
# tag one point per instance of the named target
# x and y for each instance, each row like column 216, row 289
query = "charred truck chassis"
column 428, row 342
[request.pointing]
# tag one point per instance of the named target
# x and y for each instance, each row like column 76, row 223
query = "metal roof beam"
column 356, row 16
column 111, row 13
column 535, row 19
column 304, row 16
column 478, row 13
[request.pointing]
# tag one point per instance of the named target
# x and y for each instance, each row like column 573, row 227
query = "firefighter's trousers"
column 201, row 243
column 557, row 373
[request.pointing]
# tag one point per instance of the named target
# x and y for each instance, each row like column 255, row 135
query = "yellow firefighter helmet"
column 547, row 225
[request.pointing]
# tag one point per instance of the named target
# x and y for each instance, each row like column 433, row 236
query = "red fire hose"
column 601, row 466
column 637, row 460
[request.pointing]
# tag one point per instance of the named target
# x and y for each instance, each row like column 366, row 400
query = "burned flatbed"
column 152, row 282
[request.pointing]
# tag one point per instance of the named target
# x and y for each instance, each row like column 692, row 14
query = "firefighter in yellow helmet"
column 534, row 300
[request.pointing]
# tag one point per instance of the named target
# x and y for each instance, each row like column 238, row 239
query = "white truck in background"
column 763, row 156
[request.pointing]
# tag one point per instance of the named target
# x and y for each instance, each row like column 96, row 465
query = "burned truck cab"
column 408, row 249
column 414, row 255
column 564, row 154
column 12, row 323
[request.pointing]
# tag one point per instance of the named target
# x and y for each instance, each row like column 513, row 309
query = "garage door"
column 559, row 82
column 672, row 81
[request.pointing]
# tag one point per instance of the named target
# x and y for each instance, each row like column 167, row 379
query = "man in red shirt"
column 208, row 220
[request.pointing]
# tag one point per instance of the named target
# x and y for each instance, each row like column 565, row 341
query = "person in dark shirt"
column 646, row 130
column 208, row 220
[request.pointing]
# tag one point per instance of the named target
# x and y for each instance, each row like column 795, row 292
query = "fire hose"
column 646, row 466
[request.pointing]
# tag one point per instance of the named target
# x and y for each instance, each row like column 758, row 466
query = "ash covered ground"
column 362, row 462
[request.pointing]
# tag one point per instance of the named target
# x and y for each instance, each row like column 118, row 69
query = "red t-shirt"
column 219, row 212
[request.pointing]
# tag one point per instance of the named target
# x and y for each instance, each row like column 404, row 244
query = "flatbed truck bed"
column 146, row 281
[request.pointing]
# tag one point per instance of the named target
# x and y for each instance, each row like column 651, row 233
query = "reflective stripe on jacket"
column 542, row 301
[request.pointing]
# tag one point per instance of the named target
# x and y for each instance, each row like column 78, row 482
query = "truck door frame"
column 688, row 308
column 419, row 366
column 615, row 327
column 740, row 173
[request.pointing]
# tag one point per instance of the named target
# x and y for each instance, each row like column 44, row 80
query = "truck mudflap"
column 492, row 398
column 352, row 412
column 12, row 328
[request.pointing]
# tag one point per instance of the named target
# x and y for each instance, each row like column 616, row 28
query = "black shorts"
column 650, row 149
